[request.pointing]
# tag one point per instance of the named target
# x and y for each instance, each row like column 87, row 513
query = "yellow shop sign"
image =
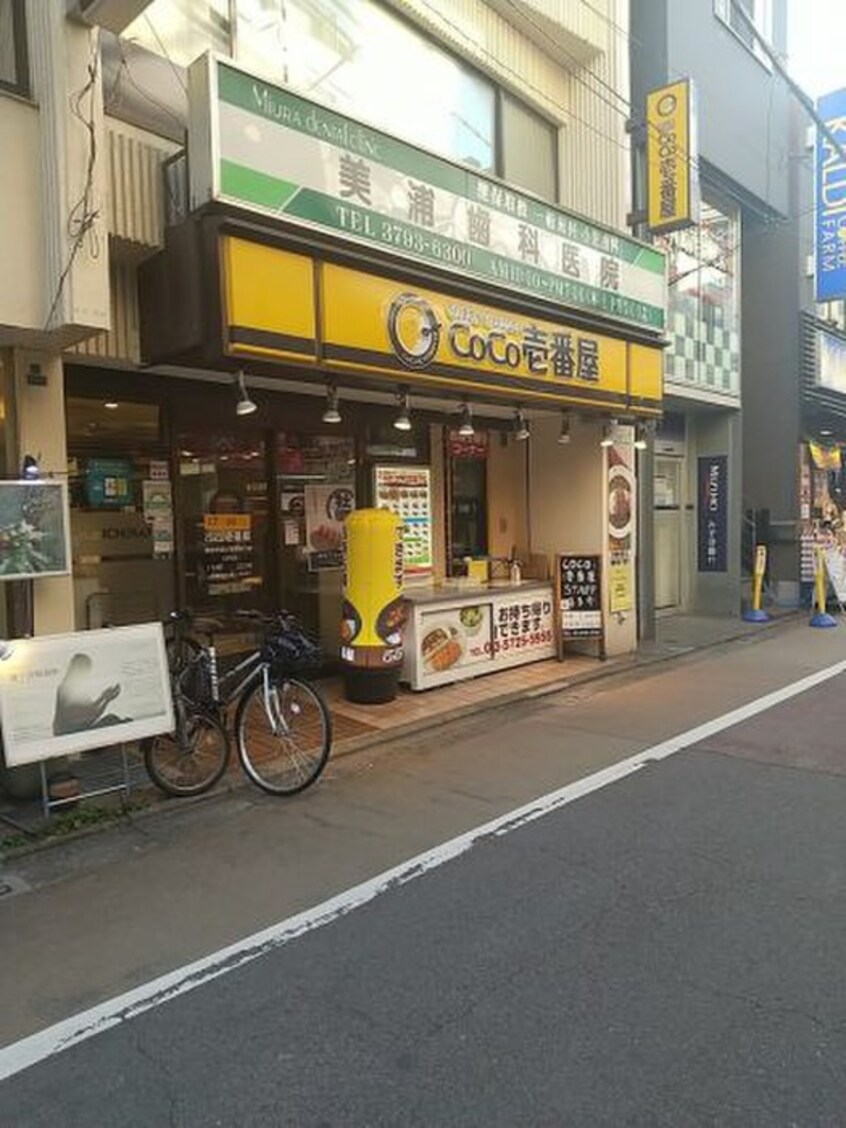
column 286, row 306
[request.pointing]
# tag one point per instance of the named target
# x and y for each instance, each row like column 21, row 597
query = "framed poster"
column 326, row 508
column 34, row 530
column 61, row 694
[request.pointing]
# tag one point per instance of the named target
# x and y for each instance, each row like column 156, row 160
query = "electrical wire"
column 83, row 216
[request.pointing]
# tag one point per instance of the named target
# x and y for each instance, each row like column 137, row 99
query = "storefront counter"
column 458, row 630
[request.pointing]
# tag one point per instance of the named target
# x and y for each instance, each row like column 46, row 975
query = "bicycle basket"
column 291, row 649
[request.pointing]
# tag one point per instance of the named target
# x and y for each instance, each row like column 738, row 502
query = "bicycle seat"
column 205, row 625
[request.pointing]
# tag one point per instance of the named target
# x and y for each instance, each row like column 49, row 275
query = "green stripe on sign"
column 240, row 183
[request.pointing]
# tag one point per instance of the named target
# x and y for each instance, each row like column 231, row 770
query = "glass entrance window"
column 468, row 510
column 224, row 518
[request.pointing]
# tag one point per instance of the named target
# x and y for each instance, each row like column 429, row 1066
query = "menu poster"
column 228, row 554
column 406, row 491
column 326, row 508
column 579, row 594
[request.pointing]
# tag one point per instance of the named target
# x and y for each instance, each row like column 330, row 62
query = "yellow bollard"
column 820, row 617
column 756, row 614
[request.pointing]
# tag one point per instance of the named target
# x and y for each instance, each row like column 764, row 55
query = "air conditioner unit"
column 113, row 15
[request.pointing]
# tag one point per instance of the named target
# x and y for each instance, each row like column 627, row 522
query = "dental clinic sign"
column 261, row 147
column 831, row 200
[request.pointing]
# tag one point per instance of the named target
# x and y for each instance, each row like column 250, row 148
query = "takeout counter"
column 460, row 630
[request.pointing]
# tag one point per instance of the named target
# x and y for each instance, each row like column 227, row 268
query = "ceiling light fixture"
column 331, row 414
column 564, row 433
column 403, row 419
column 521, row 426
column 466, row 430
column 244, row 406
column 111, row 405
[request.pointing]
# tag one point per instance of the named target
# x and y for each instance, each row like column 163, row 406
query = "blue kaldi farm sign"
column 831, row 200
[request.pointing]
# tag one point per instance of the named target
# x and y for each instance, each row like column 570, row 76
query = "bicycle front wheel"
column 284, row 734
column 189, row 760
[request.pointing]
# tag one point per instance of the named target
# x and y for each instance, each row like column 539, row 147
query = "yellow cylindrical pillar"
column 373, row 608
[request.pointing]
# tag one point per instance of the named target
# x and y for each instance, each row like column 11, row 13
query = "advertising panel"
column 579, row 590
column 713, row 513
column 671, row 156
column 621, row 524
column 830, row 256
column 406, row 491
column 831, row 363
column 228, row 554
column 326, row 508
column 61, row 694
column 34, row 536
column 262, row 147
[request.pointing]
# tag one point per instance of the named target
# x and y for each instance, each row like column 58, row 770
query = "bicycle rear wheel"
column 191, row 761
column 284, row 734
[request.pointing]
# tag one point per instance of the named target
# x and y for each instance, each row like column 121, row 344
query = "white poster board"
column 34, row 529
column 835, row 565
column 68, row 693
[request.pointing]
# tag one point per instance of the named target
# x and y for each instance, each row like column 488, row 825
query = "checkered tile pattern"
column 703, row 354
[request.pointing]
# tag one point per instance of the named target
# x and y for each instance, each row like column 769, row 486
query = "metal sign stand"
column 124, row 787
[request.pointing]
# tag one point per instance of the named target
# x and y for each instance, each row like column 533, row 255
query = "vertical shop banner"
column 713, row 513
column 228, row 554
column 621, row 518
column 671, row 158
column 830, row 257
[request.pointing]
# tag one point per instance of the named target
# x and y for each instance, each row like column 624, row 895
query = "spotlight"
column 564, row 434
column 331, row 414
column 521, row 426
column 466, row 430
column 403, row 420
column 29, row 468
column 607, row 439
column 245, row 405
column 641, row 436
column 5, row 649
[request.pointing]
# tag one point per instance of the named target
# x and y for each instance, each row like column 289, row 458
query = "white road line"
column 71, row 1031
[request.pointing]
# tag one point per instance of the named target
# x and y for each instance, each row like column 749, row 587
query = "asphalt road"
column 669, row 950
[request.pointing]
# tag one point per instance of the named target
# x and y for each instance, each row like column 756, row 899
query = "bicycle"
column 282, row 725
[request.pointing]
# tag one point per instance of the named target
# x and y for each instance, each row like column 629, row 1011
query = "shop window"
column 704, row 301
column 122, row 513
column 348, row 55
column 181, row 30
column 529, row 149
column 14, row 71
column 468, row 493
column 224, row 521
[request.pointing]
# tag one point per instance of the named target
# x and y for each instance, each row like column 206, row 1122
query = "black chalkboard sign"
column 578, row 589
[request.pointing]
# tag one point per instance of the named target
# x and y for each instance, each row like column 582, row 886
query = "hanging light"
column 641, row 436
column 521, row 426
column 607, row 439
column 331, row 414
column 564, row 433
column 403, row 419
column 244, row 406
column 29, row 468
column 466, row 430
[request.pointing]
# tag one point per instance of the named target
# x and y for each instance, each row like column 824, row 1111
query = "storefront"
column 481, row 366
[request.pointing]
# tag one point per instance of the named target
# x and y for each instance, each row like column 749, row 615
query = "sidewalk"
column 358, row 727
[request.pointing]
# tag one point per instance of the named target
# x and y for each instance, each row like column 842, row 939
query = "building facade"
column 441, row 243
column 732, row 291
